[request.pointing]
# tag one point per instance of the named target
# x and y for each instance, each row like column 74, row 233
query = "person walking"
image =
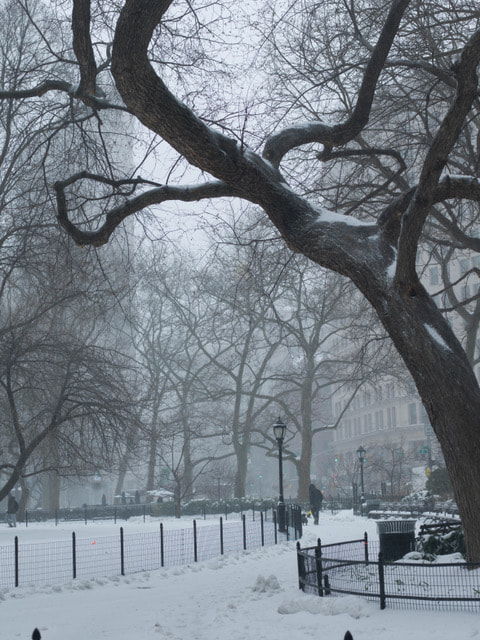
column 316, row 497
column 12, row 508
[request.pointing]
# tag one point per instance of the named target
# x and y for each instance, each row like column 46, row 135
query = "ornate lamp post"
column 361, row 458
column 279, row 430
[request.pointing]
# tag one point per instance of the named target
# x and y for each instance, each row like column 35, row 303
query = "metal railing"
column 89, row 513
column 348, row 568
column 86, row 557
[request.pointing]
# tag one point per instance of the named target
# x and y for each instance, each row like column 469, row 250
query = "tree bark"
column 448, row 389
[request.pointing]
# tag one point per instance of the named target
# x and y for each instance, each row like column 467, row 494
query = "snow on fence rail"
column 58, row 562
column 348, row 568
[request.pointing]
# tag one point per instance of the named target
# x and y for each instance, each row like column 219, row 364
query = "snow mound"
column 350, row 605
column 266, row 585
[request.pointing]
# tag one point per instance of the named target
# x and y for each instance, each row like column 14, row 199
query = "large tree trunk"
column 152, row 461
column 303, row 467
column 51, row 491
column 448, row 389
column 241, row 471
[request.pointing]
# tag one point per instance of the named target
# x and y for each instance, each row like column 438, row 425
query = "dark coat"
column 315, row 496
column 12, row 506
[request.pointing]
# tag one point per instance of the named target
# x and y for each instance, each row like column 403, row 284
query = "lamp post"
column 361, row 458
column 279, row 430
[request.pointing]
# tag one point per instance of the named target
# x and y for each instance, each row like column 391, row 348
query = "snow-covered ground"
column 246, row 595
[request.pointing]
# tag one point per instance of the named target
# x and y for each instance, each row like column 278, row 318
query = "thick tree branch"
column 329, row 154
column 95, row 102
column 151, row 101
column 449, row 188
column 278, row 145
column 82, row 46
column 435, row 161
column 115, row 216
column 39, row 90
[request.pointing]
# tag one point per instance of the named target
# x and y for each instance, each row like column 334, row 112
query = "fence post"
column 262, row 529
column 115, row 515
column 275, row 524
column 16, row 561
column 85, row 514
column 195, row 541
column 74, row 556
column 244, row 533
column 56, row 518
column 144, row 508
column 381, row 580
column 122, row 557
column 301, row 568
column 365, row 544
column 161, row 545
column 318, row 563
column 26, row 517
column 221, row 536
column 326, row 581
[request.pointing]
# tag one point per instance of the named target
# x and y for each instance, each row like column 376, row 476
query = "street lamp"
column 279, row 430
column 361, row 458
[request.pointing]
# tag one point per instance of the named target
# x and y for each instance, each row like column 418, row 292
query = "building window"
column 379, row 419
column 412, row 413
column 391, row 417
column 433, row 273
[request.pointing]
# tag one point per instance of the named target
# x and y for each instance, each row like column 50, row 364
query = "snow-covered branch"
column 330, row 136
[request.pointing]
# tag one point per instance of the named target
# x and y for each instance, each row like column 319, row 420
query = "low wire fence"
column 350, row 568
column 200, row 508
column 58, row 562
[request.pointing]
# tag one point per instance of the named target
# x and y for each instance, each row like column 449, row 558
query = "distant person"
column 316, row 497
column 12, row 508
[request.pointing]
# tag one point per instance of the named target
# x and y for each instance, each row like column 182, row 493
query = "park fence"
column 59, row 562
column 349, row 568
column 194, row 508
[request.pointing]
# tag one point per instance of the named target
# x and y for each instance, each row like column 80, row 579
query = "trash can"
column 370, row 505
column 397, row 537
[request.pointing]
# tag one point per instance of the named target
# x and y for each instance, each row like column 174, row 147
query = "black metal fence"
column 57, row 562
column 348, row 568
column 201, row 508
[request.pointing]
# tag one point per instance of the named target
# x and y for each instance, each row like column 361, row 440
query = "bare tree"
column 378, row 255
column 318, row 317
